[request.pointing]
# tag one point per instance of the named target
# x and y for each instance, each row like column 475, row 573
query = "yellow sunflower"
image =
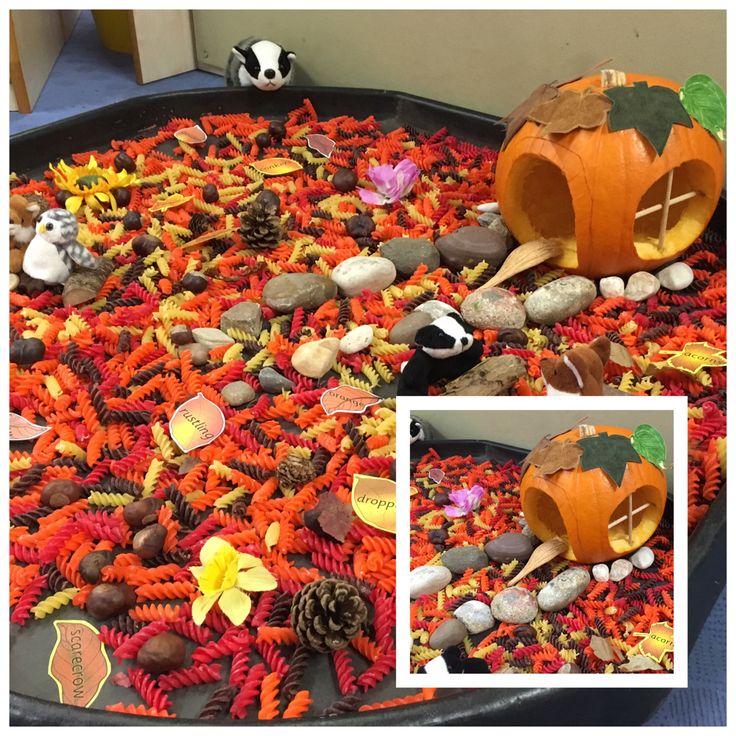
column 90, row 184
column 225, row 575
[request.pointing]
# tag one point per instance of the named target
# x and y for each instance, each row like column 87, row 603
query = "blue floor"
column 87, row 75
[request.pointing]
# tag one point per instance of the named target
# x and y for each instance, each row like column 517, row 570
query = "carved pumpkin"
column 585, row 187
column 579, row 505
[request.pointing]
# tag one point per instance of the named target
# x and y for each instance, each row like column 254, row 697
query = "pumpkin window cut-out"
column 600, row 518
column 612, row 201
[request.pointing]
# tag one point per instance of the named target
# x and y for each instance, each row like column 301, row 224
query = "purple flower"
column 465, row 501
column 393, row 182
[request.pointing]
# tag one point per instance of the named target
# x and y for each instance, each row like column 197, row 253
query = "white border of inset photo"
column 584, row 404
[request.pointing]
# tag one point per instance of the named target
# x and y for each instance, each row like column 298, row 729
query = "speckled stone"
column 245, row 316
column 238, row 393
column 563, row 589
column 287, row 291
column 493, row 309
column 356, row 340
column 428, row 579
column 641, row 285
column 476, row 616
column 436, row 309
column 470, row 245
column 601, row 573
column 514, row 606
column 620, row 569
column 405, row 330
column 560, row 299
column 448, row 633
column 642, row 558
column 509, row 546
column 459, row 559
column 407, row 254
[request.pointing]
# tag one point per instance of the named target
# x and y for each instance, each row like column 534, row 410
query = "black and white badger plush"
column 261, row 64
column 446, row 348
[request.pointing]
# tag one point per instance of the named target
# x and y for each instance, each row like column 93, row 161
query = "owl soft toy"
column 54, row 249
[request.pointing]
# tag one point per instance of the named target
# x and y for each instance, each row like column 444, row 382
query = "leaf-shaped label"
column 572, row 109
column 649, row 444
column 437, row 475
column 695, row 356
column 21, row 429
column 213, row 235
column 175, row 200
column 374, row 501
column 657, row 642
column 650, row 110
column 704, row 99
column 276, row 166
column 193, row 136
column 321, row 144
column 347, row 399
column 196, row 423
column 78, row 663
column 611, row 453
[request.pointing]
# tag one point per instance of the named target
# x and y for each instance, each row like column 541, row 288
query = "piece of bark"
column 492, row 377
column 84, row 285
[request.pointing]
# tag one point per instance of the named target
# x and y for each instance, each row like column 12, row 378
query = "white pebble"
column 476, row 616
column 356, row 340
column 611, row 286
column 641, row 285
column 621, row 569
column 355, row 274
column 676, row 276
column 600, row 573
column 428, row 579
column 642, row 558
column 488, row 207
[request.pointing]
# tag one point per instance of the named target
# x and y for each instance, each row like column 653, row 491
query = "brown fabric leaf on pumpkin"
column 518, row 116
column 558, row 456
column 571, row 109
column 533, row 458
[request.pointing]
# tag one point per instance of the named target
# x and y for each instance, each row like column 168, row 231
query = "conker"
column 263, row 140
column 121, row 195
column 92, row 564
column 132, row 221
column 194, row 282
column 344, row 180
column 277, row 129
column 60, row 492
column 162, row 653
column 108, row 599
column 181, row 335
column 149, row 541
column 123, row 162
column 26, row 351
column 61, row 197
column 135, row 512
column 269, row 199
column 360, row 226
column 144, row 245
column 210, row 193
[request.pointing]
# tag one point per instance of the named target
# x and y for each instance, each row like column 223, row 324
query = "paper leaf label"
column 436, row 475
column 571, row 109
column 658, row 641
column 321, row 144
column 78, row 663
column 650, row 110
column 649, row 444
column 276, row 166
column 611, row 453
column 175, row 200
column 193, row 136
column 374, row 501
column 213, row 235
column 196, row 423
column 347, row 399
column 21, row 429
column 704, row 99
column 695, row 356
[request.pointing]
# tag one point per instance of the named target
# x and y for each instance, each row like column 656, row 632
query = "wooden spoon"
column 546, row 552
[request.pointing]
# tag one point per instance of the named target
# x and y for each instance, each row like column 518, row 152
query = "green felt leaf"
column 650, row 110
column 610, row 453
column 704, row 99
column 649, row 444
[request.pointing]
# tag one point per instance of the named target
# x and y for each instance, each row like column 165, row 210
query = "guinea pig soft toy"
column 24, row 212
column 261, row 64
column 579, row 372
column 446, row 348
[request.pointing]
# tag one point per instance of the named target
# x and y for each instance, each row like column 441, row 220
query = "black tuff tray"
column 30, row 153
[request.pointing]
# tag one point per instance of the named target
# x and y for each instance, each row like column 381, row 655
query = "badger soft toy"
column 446, row 348
column 261, row 64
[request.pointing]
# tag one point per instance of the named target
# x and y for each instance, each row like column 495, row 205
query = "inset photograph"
column 542, row 542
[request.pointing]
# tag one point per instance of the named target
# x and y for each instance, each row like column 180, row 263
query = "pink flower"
column 393, row 182
column 465, row 501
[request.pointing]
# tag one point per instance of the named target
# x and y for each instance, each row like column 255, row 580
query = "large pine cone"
column 327, row 614
column 260, row 226
column 294, row 471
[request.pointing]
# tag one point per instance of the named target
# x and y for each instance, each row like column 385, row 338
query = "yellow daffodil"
column 225, row 575
column 91, row 184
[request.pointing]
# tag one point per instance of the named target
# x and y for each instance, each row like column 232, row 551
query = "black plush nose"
column 269, row 74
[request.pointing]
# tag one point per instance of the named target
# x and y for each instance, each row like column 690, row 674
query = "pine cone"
column 327, row 614
column 260, row 226
column 294, row 471
column 199, row 223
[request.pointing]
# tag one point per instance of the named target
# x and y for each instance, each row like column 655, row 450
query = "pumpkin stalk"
column 612, row 78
